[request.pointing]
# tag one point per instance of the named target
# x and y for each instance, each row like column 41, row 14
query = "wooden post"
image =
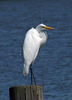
column 32, row 92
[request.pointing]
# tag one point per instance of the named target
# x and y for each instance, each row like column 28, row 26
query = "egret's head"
column 41, row 27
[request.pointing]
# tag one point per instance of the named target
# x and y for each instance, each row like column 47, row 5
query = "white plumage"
column 34, row 39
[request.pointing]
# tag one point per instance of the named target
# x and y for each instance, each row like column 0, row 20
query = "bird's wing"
column 31, row 46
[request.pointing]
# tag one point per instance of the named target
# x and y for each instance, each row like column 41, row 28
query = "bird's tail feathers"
column 26, row 70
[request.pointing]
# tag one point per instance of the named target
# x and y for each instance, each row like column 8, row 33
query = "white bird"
column 35, row 38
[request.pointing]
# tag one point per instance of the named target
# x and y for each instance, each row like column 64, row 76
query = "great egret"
column 34, row 39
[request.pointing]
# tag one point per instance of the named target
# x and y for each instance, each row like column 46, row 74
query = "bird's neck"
column 38, row 29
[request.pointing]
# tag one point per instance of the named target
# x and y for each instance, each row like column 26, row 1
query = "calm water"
column 53, row 66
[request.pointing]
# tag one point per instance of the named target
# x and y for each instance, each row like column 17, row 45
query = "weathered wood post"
column 31, row 92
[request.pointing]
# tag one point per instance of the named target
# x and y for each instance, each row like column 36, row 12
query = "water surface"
column 53, row 66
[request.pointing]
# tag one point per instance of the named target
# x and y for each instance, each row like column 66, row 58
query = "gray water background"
column 53, row 66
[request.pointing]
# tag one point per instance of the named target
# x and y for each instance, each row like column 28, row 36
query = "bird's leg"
column 34, row 78
column 33, row 75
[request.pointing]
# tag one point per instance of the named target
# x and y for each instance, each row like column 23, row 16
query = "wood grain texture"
column 30, row 92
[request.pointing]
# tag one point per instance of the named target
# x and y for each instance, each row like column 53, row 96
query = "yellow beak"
column 50, row 28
